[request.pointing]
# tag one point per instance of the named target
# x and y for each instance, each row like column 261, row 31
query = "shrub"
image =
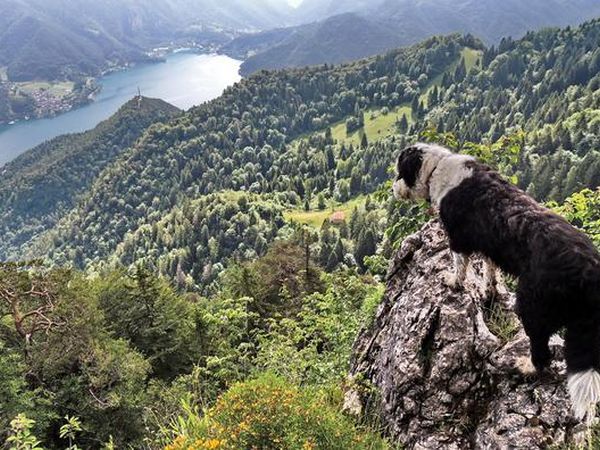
column 582, row 209
column 268, row 413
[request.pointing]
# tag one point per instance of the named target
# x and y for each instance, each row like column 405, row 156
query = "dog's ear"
column 409, row 165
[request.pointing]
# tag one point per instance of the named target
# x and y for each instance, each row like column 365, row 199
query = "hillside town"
column 24, row 101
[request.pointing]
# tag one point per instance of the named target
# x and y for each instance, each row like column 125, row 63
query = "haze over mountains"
column 61, row 39
column 367, row 28
column 53, row 39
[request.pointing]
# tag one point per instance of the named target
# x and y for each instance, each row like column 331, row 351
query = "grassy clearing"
column 315, row 217
column 377, row 125
column 472, row 58
column 58, row 89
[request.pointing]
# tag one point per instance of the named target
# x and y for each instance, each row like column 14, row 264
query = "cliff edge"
column 437, row 366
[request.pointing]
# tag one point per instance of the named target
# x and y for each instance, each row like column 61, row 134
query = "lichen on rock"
column 438, row 377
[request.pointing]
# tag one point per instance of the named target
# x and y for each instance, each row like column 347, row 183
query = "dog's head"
column 414, row 167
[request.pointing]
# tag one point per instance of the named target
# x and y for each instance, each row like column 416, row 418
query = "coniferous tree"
column 364, row 143
column 403, row 124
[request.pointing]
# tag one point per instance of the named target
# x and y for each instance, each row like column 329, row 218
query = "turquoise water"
column 184, row 80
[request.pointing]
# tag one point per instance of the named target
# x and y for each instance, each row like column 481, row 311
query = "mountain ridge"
column 58, row 39
column 396, row 23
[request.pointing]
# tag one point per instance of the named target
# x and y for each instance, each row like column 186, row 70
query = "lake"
column 184, row 80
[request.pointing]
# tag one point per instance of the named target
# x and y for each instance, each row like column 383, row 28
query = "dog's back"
column 557, row 265
column 487, row 214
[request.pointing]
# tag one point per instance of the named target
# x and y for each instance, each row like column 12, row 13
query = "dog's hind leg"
column 540, row 351
column 491, row 277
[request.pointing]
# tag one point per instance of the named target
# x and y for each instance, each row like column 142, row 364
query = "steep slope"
column 236, row 142
column 392, row 23
column 438, row 367
column 37, row 188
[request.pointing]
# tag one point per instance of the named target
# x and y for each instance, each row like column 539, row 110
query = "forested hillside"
column 222, row 260
column 44, row 183
column 245, row 139
column 240, row 142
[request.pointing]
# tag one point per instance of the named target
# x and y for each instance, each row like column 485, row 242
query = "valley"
column 184, row 79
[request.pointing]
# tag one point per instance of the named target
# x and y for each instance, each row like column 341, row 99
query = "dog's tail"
column 584, row 388
column 583, row 362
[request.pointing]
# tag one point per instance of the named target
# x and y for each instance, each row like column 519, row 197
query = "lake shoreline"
column 91, row 88
column 185, row 79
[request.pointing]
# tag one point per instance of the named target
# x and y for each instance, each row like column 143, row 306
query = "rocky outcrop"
column 437, row 366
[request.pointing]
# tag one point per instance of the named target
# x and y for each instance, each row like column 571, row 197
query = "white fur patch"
column 448, row 174
column 584, row 389
column 432, row 155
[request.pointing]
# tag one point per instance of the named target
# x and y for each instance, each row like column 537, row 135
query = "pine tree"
column 330, row 158
column 403, row 124
column 366, row 246
column 414, row 106
column 432, row 98
column 461, row 71
column 339, row 250
column 355, row 181
column 364, row 143
column 328, row 136
column 332, row 262
column 421, row 112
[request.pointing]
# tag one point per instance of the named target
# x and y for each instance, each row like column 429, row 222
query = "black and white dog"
column 558, row 267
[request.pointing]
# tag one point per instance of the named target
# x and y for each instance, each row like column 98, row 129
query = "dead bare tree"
column 29, row 296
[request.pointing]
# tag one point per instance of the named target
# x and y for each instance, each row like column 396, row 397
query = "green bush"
column 582, row 209
column 269, row 413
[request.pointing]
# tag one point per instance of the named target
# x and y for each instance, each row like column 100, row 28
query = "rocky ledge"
column 437, row 366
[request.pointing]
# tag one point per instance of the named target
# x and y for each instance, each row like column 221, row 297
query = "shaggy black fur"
column 409, row 164
column 558, row 266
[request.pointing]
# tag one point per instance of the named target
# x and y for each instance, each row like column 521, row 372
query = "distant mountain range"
column 66, row 39
column 53, row 39
column 332, row 41
column 315, row 10
column 367, row 28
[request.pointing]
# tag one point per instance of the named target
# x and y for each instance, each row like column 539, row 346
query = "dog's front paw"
column 452, row 281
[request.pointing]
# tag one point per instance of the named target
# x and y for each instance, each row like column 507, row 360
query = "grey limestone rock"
column 437, row 366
